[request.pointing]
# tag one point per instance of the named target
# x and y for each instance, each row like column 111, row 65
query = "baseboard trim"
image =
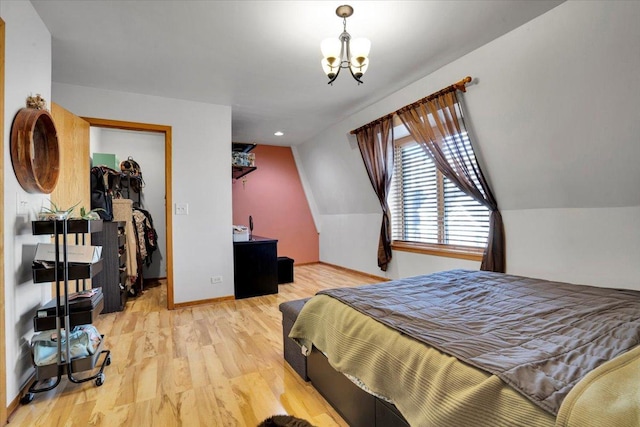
column 298, row 264
column 15, row 403
column 350, row 270
column 231, row 297
column 202, row 302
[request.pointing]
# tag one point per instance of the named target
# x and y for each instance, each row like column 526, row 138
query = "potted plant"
column 90, row 215
column 54, row 212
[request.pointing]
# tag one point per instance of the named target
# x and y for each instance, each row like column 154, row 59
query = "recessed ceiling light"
column 279, row 133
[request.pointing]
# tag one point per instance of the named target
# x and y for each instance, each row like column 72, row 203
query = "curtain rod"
column 456, row 86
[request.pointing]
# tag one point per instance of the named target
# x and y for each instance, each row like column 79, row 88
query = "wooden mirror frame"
column 34, row 150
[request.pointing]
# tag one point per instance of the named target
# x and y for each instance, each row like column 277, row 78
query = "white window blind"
column 426, row 207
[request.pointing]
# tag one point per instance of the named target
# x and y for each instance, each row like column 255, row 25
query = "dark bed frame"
column 356, row 406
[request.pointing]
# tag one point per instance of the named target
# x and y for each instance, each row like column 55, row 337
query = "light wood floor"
column 219, row 364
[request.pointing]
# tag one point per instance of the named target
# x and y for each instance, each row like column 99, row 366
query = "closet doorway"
column 137, row 140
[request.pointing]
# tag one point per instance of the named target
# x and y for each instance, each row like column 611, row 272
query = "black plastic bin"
column 285, row 270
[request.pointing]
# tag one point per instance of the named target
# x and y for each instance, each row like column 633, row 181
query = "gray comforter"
column 540, row 337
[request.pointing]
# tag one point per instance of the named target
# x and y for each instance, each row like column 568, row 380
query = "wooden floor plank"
column 218, row 364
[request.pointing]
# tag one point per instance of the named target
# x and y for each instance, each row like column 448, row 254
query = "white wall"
column 27, row 72
column 147, row 149
column 556, row 118
column 202, row 243
column 598, row 246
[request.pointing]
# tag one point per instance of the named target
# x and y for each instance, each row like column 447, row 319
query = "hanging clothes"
column 150, row 236
column 141, row 223
column 123, row 211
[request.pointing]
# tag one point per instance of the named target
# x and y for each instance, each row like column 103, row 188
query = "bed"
column 476, row 348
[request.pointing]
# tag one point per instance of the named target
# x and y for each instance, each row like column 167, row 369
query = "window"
column 427, row 210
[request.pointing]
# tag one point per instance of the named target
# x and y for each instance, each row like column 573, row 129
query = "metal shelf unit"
column 64, row 319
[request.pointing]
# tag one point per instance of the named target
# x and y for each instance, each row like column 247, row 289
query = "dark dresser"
column 255, row 266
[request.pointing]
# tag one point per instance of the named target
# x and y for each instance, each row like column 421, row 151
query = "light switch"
column 22, row 205
column 182, row 208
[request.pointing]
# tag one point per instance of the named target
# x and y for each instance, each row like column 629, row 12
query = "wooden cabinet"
column 255, row 265
column 113, row 277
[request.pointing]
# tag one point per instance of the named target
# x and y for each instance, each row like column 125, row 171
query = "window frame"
column 471, row 253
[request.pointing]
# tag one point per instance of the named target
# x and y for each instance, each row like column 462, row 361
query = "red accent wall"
column 273, row 195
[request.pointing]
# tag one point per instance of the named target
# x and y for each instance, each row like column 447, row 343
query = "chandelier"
column 342, row 52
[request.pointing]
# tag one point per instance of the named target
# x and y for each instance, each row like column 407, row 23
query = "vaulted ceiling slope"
column 262, row 57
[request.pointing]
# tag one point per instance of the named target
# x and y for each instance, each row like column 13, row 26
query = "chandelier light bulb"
column 358, row 69
column 360, row 48
column 331, row 49
column 330, row 69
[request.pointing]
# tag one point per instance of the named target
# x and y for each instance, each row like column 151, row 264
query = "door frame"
column 166, row 130
column 3, row 344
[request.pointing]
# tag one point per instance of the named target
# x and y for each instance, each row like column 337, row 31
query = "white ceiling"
column 262, row 57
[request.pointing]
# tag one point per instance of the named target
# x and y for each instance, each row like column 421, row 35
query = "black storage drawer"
column 387, row 415
column 76, row 271
column 73, row 226
column 78, row 301
column 357, row 407
column 85, row 317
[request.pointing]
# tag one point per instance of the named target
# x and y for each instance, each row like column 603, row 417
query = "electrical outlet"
column 182, row 208
column 216, row 279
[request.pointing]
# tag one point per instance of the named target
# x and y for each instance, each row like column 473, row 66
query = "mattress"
column 436, row 359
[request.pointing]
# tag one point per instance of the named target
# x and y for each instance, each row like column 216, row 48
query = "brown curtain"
column 436, row 123
column 375, row 141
